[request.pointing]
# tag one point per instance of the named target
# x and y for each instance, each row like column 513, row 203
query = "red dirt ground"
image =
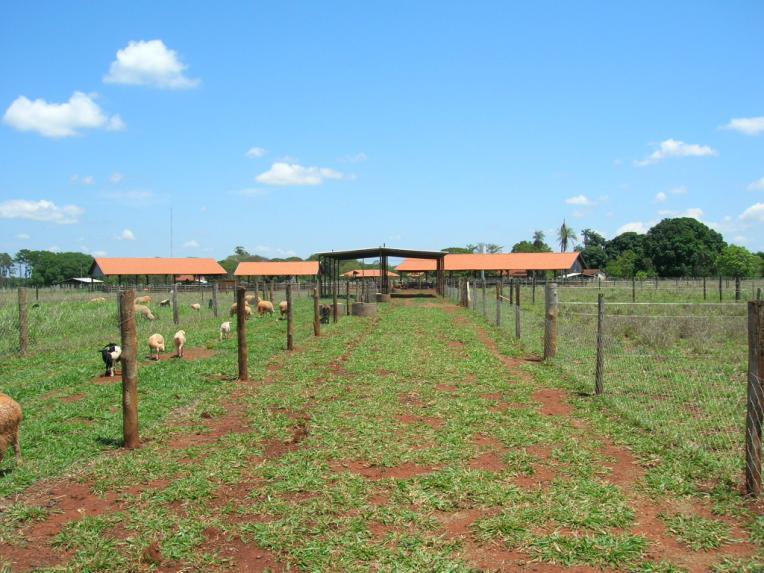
column 403, row 471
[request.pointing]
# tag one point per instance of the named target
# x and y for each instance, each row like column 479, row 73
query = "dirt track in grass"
column 383, row 450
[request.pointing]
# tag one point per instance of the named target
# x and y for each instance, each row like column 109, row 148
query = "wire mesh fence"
column 675, row 369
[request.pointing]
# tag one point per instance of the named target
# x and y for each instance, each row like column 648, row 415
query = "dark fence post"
column 599, row 372
column 517, row 309
column 290, row 323
column 721, row 296
column 23, row 321
column 241, row 332
column 334, row 299
column 498, row 303
column 175, row 303
column 316, row 314
column 550, row 321
column 533, row 291
column 633, row 289
column 704, row 288
column 129, row 360
column 215, row 299
column 755, row 401
column 347, row 298
column 737, row 288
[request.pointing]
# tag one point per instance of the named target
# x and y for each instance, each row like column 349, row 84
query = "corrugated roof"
column 156, row 266
column 270, row 269
column 367, row 273
column 495, row 262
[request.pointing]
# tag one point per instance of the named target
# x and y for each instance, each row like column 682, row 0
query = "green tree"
column 683, row 247
column 528, row 247
column 538, row 240
column 593, row 239
column 461, row 250
column 738, row 262
column 566, row 236
column 629, row 241
column 624, row 266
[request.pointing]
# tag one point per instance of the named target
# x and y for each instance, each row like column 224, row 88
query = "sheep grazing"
column 110, row 353
column 142, row 299
column 251, row 298
column 145, row 311
column 247, row 310
column 225, row 330
column 283, row 308
column 180, row 342
column 264, row 306
column 196, row 306
column 156, row 345
column 98, row 299
column 10, row 420
column 164, row 302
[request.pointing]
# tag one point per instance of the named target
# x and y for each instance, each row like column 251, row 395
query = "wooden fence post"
column 290, row 322
column 23, row 321
column 704, row 288
column 215, row 299
column 485, row 311
column 758, row 293
column 335, row 287
column 316, row 314
column 175, row 303
column 241, row 332
column 498, row 303
column 737, row 288
column 633, row 289
column 517, row 309
column 755, row 398
column 533, row 291
column 721, row 297
column 550, row 321
column 599, row 372
column 129, row 360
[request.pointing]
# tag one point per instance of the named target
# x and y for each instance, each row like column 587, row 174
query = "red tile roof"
column 495, row 262
column 367, row 273
column 270, row 269
column 155, row 266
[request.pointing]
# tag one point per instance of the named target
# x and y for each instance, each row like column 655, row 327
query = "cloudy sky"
column 295, row 127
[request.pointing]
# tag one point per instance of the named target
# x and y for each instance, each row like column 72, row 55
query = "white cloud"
column 82, row 179
column 23, row 237
column 660, row 197
column 675, row 148
column 256, row 152
column 149, row 63
column 681, row 190
column 754, row 213
column 54, row 249
column 694, row 212
column 579, row 200
column 116, row 177
column 747, row 125
column 757, row 185
column 191, row 244
column 265, row 250
column 295, row 174
column 134, row 198
column 99, row 253
column 126, row 235
column 60, row 119
column 634, row 227
column 354, row 158
column 41, row 210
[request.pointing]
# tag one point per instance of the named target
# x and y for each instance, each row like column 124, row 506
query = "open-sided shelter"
column 277, row 269
column 499, row 262
column 367, row 274
column 330, row 268
column 157, row 266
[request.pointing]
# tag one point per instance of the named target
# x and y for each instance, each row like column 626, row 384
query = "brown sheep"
column 251, row 298
column 264, row 306
column 283, row 308
column 156, row 345
column 145, row 311
column 247, row 310
column 10, row 420
column 143, row 299
column 196, row 306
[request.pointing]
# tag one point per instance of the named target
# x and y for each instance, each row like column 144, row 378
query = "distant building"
column 79, row 282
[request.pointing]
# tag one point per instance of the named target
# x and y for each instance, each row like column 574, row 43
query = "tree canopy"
column 683, row 247
column 738, row 262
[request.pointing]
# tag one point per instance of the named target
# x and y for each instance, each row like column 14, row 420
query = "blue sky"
column 296, row 127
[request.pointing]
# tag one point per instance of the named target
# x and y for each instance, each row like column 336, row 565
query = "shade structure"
column 368, row 273
column 498, row 262
column 105, row 267
column 273, row 269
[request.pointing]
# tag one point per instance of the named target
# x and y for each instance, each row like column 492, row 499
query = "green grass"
column 697, row 532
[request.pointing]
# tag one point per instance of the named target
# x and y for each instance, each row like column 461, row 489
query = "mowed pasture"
column 419, row 440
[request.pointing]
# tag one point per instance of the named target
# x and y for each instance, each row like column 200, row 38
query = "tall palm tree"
column 566, row 235
column 538, row 239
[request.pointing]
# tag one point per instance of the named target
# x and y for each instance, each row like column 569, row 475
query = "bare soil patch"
column 371, row 472
column 553, row 402
column 196, row 353
column 245, row 557
column 73, row 398
column 446, row 388
column 432, row 421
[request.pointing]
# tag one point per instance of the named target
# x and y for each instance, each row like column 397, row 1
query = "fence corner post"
column 550, row 320
column 241, row 332
column 599, row 373
column 129, row 361
column 755, row 398
column 290, row 322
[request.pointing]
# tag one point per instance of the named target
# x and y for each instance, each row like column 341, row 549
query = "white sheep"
column 10, row 420
column 145, row 311
column 164, row 302
column 225, row 330
column 156, row 345
column 180, row 342
column 143, row 299
column 283, row 308
column 98, row 299
column 247, row 310
column 110, row 353
column 196, row 306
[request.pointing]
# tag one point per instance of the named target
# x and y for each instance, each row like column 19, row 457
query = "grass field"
column 416, row 441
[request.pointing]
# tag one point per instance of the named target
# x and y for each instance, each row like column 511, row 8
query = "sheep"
column 143, row 299
column 225, row 330
column 283, row 308
column 98, row 299
column 10, row 420
column 164, row 302
column 251, row 298
column 156, row 345
column 247, row 310
column 180, row 342
column 110, row 353
column 325, row 312
column 264, row 306
column 145, row 311
column 196, row 306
